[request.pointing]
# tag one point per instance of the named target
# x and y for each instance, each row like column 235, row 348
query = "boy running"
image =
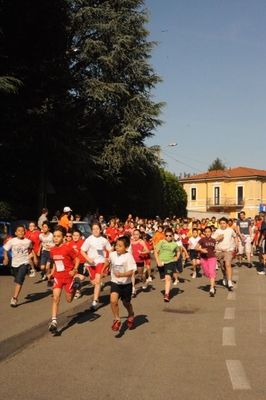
column 19, row 247
column 63, row 272
column 123, row 267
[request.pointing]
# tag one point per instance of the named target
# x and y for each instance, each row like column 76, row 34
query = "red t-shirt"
column 34, row 238
column 76, row 246
column 209, row 244
column 112, row 232
column 184, row 233
column 63, row 257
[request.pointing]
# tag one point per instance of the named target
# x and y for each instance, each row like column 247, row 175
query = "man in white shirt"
column 226, row 243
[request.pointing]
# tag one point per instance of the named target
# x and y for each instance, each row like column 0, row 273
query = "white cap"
column 67, row 209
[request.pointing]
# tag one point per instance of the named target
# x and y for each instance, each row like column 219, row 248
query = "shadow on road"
column 138, row 320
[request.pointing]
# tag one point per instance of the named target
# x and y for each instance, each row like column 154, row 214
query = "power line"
column 189, row 166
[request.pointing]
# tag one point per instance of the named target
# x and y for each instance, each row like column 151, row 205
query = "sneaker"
column 94, row 305
column 194, row 275
column 102, row 286
column 130, row 322
column 32, row 273
column 77, row 283
column 134, row 294
column 250, row 265
column 77, row 295
column 53, row 327
column 216, row 267
column 176, row 282
column 14, row 302
column 149, row 279
column 145, row 285
column 225, row 283
column 212, row 292
column 44, row 277
column 50, row 284
column 230, row 284
column 166, row 298
column 261, row 272
column 116, row 324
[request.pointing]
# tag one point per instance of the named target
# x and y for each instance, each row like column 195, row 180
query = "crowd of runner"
column 123, row 250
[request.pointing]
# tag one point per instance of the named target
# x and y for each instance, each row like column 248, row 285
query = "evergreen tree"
column 216, row 165
column 114, row 82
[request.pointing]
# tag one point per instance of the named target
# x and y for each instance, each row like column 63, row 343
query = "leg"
column 17, row 290
column 97, row 287
column 56, row 301
column 128, row 307
column 114, row 304
column 167, row 285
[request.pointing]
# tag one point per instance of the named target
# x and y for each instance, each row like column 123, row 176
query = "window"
column 193, row 194
column 240, row 197
column 217, row 195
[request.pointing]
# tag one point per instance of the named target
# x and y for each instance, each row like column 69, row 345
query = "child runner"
column 93, row 251
column 63, row 272
column 33, row 234
column 206, row 246
column 76, row 244
column 19, row 247
column 123, row 267
column 194, row 254
column 166, row 254
column 47, row 242
column 139, row 249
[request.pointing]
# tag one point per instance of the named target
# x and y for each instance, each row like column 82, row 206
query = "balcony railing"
column 225, row 202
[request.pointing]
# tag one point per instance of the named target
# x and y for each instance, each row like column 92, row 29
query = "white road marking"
column 231, row 296
column 237, row 375
column 229, row 313
column 229, row 336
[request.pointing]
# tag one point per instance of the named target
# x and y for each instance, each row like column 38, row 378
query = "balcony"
column 225, row 202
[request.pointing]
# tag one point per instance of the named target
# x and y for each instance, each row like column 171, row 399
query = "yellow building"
column 226, row 192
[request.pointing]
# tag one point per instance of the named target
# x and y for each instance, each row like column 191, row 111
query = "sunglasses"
column 168, row 235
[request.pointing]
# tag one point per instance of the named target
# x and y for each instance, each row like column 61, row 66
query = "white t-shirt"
column 227, row 243
column 46, row 241
column 94, row 247
column 192, row 241
column 20, row 251
column 121, row 263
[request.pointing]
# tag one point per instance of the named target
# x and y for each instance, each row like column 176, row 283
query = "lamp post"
column 167, row 145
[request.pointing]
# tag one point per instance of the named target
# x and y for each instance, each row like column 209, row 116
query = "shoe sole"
column 13, row 305
column 212, row 294
column 166, row 300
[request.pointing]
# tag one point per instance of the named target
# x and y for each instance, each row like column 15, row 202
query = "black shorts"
column 170, row 268
column 179, row 265
column 124, row 291
column 140, row 264
column 194, row 254
column 20, row 272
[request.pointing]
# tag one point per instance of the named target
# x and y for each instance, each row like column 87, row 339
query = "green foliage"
column 9, row 84
column 5, row 210
column 216, row 165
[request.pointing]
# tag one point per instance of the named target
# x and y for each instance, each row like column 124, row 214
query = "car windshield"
column 84, row 227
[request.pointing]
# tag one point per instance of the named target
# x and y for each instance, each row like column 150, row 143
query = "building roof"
column 231, row 173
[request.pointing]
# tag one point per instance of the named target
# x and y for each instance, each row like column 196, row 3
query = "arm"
column 5, row 260
column 156, row 255
column 75, row 269
column 145, row 248
column 90, row 260
column 124, row 274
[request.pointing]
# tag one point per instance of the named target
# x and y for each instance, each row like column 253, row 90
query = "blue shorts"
column 20, row 273
column 45, row 257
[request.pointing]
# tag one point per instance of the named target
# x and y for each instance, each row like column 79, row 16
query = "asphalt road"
column 194, row 347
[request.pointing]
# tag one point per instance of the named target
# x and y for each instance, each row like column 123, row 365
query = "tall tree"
column 216, row 165
column 114, row 82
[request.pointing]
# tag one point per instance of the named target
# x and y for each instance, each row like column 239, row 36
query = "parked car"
column 84, row 227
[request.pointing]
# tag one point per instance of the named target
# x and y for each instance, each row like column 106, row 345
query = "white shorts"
column 244, row 244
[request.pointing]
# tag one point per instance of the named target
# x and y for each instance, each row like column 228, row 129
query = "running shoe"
column 94, row 305
column 50, row 284
column 212, row 292
column 166, row 298
column 32, row 273
column 116, row 325
column 145, row 284
column 176, row 282
column 53, row 327
column 250, row 265
column 77, row 283
column 261, row 272
column 77, row 295
column 130, row 322
column 225, row 283
column 44, row 277
column 230, row 285
column 14, row 302
column 194, row 275
column 150, row 279
column 134, row 293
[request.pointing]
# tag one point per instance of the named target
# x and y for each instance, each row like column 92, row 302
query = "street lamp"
column 167, row 145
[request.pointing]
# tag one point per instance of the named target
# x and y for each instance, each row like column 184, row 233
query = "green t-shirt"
column 167, row 251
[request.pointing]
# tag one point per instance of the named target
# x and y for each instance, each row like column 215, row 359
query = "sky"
column 212, row 58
